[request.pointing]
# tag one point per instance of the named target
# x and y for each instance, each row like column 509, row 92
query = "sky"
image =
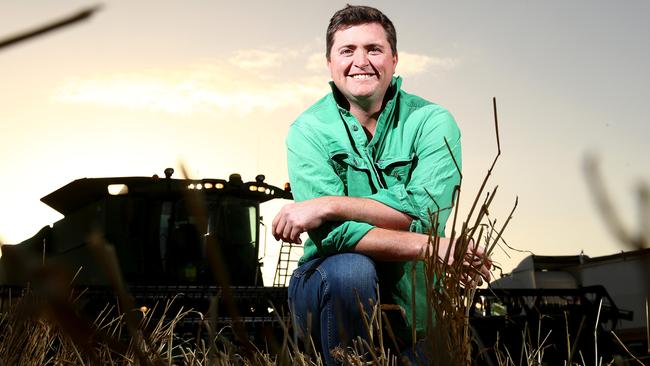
column 145, row 85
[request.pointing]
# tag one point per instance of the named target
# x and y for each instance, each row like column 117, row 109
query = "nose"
column 360, row 59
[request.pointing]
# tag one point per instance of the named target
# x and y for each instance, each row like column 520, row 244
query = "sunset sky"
column 143, row 85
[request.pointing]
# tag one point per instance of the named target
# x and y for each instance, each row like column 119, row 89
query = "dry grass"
column 40, row 339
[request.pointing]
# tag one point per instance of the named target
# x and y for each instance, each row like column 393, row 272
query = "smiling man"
column 367, row 164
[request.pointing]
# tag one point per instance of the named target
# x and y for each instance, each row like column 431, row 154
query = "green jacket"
column 404, row 165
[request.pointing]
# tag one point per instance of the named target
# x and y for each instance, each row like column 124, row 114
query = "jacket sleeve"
column 312, row 176
column 430, row 182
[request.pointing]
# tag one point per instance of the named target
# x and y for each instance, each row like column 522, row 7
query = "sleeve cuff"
column 397, row 197
column 333, row 238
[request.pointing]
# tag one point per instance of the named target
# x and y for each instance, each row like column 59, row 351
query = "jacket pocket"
column 353, row 171
column 396, row 170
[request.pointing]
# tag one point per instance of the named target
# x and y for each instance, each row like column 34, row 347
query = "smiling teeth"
column 361, row 76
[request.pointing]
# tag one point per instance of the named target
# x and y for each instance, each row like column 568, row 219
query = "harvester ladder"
column 285, row 260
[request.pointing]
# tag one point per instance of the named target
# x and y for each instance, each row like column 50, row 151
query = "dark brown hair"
column 353, row 15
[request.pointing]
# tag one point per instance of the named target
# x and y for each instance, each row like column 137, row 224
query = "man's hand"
column 297, row 218
column 476, row 265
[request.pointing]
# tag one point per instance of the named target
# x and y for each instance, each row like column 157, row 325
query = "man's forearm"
column 344, row 208
column 299, row 217
column 393, row 245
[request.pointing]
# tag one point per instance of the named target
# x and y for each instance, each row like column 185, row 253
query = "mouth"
column 361, row 76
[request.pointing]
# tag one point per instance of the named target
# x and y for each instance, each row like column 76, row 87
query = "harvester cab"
column 157, row 226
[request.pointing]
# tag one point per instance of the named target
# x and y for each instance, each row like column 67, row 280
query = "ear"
column 395, row 59
column 328, row 63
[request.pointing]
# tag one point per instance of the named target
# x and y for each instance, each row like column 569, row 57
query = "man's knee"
column 348, row 274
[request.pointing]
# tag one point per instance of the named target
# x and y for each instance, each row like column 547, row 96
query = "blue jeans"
column 323, row 300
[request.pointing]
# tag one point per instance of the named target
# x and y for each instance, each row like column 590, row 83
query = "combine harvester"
column 568, row 307
column 160, row 230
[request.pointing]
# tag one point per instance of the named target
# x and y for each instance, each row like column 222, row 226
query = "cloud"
column 256, row 59
column 410, row 64
column 201, row 88
column 246, row 81
column 316, row 62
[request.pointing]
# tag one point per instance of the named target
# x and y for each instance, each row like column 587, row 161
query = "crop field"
column 43, row 327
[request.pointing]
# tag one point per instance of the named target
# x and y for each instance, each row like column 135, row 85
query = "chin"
column 363, row 92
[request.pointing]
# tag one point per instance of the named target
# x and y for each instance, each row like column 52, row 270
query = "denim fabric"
column 415, row 356
column 323, row 300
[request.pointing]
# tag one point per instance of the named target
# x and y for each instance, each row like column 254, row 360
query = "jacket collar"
column 393, row 90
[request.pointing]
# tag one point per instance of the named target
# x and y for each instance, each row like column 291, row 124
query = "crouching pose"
column 367, row 164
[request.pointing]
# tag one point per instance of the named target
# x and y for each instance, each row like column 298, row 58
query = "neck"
column 367, row 111
column 366, row 117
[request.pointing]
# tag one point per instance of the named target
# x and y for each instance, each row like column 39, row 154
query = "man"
column 367, row 164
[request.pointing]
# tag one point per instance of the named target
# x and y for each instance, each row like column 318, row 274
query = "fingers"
column 474, row 278
column 485, row 273
column 477, row 257
column 291, row 233
column 471, row 280
column 284, row 229
column 476, row 267
column 277, row 228
column 482, row 267
column 295, row 236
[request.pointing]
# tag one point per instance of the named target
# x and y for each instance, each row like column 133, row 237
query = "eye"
column 375, row 50
column 345, row 52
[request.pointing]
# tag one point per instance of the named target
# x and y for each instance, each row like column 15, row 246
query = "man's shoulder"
column 316, row 122
column 416, row 103
column 319, row 112
column 417, row 111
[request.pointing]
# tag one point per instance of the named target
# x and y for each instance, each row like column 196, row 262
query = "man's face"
column 362, row 63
